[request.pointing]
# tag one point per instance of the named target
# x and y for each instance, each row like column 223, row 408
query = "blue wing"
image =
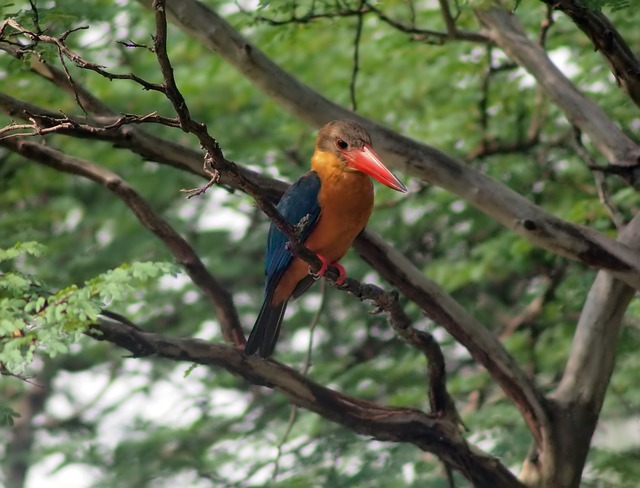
column 299, row 202
column 300, row 207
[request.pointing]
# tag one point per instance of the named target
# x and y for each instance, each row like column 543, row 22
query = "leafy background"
column 102, row 419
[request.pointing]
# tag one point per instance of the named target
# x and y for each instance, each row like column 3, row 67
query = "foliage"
column 69, row 248
column 33, row 319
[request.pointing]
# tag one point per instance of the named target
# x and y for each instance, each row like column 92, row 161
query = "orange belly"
column 346, row 201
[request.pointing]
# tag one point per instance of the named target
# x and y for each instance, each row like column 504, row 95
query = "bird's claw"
column 321, row 271
column 342, row 274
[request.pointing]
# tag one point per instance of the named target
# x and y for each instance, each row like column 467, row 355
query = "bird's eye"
column 341, row 144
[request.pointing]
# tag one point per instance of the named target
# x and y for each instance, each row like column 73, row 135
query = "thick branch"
column 425, row 162
column 219, row 297
column 439, row 436
column 580, row 395
column 606, row 39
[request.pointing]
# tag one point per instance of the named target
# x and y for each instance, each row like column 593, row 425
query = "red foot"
column 342, row 274
column 323, row 268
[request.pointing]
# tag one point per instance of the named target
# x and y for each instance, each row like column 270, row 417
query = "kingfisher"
column 329, row 206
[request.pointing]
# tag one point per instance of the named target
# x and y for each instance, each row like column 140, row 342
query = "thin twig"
column 545, row 26
column 428, row 36
column 293, row 412
column 66, row 52
column 605, row 199
column 35, row 16
column 598, row 175
column 133, row 44
column 356, row 62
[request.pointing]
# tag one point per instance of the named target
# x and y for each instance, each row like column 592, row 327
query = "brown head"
column 350, row 144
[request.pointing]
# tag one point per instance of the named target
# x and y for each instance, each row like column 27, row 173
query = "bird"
column 329, row 206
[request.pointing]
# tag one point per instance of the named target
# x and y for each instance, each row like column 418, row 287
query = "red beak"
column 366, row 160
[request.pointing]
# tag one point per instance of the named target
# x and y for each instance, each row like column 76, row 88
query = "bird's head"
column 350, row 143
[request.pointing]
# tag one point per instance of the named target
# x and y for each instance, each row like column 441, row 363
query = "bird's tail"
column 264, row 334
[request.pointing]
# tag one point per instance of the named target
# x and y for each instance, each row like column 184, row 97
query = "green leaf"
column 7, row 415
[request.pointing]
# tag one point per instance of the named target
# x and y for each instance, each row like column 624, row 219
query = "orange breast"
column 346, row 201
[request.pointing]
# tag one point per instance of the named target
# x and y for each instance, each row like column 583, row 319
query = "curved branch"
column 425, row 162
column 428, row 36
column 479, row 341
column 432, row 434
column 219, row 296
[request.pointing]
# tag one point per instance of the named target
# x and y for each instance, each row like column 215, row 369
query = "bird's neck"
column 322, row 162
column 329, row 166
column 339, row 182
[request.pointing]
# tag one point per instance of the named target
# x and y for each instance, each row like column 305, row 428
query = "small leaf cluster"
column 33, row 318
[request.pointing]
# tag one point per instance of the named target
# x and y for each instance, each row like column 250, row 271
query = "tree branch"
column 507, row 33
column 606, row 39
column 578, row 399
column 66, row 53
column 129, row 136
column 477, row 339
column 428, row 36
column 432, row 434
column 219, row 297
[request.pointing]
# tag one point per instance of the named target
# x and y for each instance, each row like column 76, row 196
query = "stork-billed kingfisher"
column 330, row 205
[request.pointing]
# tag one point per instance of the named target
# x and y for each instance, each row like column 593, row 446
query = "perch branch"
column 429, row 433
